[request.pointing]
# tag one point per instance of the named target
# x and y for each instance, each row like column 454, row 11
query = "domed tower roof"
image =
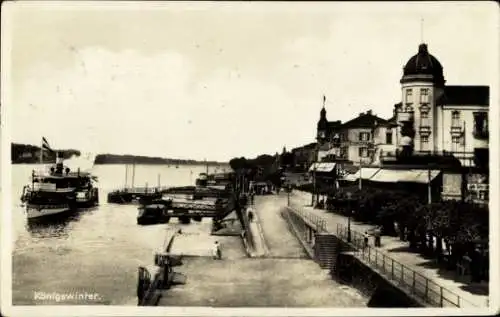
column 322, row 122
column 423, row 67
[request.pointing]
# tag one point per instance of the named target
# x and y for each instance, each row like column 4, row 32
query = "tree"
column 287, row 159
column 238, row 164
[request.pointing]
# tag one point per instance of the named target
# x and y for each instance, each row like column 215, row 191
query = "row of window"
column 424, row 95
column 480, row 120
column 363, row 152
column 454, row 139
column 366, row 136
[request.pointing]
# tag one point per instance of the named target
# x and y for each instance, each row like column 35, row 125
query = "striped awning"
column 325, row 167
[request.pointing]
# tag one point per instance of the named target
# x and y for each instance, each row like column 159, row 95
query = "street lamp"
column 349, row 195
column 289, row 189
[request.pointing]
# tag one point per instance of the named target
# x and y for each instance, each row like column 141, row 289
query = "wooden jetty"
column 187, row 204
column 216, row 185
column 134, row 194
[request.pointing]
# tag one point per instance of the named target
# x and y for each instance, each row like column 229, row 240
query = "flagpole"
column 41, row 153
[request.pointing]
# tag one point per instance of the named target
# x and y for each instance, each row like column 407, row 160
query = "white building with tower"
column 439, row 119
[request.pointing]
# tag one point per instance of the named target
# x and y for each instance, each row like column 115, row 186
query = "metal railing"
column 403, row 276
column 310, row 219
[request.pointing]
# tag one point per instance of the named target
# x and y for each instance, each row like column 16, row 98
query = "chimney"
column 369, row 112
column 360, row 114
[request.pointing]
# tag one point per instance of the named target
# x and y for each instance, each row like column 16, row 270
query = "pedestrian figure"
column 366, row 238
column 377, row 238
column 250, row 215
column 217, row 255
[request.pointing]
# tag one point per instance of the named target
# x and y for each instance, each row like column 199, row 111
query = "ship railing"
column 141, row 190
column 48, row 206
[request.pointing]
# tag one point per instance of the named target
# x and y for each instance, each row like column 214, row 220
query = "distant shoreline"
column 137, row 163
column 30, row 154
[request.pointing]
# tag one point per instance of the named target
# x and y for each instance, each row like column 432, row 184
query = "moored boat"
column 49, row 196
column 59, row 191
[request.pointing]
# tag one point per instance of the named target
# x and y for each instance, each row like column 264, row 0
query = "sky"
column 219, row 80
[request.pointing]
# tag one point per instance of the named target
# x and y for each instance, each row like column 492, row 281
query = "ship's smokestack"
column 59, row 163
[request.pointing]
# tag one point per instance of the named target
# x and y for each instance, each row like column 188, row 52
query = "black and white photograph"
column 249, row 158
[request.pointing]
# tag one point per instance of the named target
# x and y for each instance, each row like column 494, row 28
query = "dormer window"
column 409, row 96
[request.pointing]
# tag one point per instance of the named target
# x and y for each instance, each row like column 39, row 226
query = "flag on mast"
column 45, row 145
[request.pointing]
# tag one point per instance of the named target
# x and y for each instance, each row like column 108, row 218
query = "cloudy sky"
column 222, row 80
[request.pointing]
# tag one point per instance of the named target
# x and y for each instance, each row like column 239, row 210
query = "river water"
column 96, row 251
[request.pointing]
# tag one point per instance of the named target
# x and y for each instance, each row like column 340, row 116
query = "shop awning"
column 422, row 176
column 350, row 177
column 322, row 167
column 366, row 173
column 391, row 176
column 408, row 176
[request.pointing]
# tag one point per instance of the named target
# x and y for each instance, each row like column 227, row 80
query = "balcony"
column 424, row 130
column 456, row 130
column 405, row 116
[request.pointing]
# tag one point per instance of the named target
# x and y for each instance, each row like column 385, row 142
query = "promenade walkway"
column 279, row 240
column 392, row 247
column 284, row 277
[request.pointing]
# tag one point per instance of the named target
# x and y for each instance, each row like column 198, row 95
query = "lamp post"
column 336, row 144
column 314, row 174
column 349, row 195
column 289, row 189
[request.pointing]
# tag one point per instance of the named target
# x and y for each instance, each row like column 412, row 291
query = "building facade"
column 359, row 141
column 431, row 118
column 439, row 119
column 360, row 136
column 304, row 156
column 385, row 141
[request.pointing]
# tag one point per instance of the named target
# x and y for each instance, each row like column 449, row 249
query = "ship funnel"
column 60, row 158
column 59, row 163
